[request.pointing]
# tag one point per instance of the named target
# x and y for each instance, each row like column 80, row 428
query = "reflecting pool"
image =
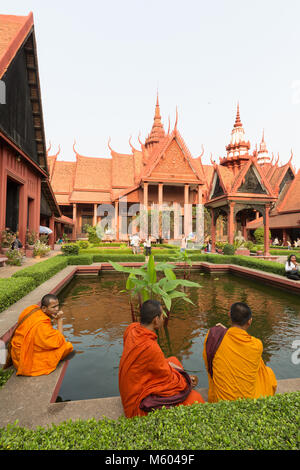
column 96, row 315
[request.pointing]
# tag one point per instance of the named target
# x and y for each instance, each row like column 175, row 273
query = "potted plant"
column 40, row 249
column 30, row 238
column 7, row 238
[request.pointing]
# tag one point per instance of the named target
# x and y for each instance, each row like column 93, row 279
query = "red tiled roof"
column 13, row 32
column 277, row 221
column 291, row 201
column 92, row 173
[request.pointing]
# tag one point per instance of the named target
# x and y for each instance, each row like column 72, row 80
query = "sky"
column 101, row 64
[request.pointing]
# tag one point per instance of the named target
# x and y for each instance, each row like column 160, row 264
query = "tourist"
column 135, row 243
column 183, row 244
column 16, row 244
column 233, row 360
column 37, row 347
column 292, row 270
column 147, row 248
column 147, row 380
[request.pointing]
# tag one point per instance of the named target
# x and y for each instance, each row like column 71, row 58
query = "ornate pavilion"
column 246, row 189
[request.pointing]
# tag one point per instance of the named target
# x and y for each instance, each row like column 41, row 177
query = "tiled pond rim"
column 31, row 400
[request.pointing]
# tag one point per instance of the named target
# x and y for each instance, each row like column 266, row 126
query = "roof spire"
column 157, row 131
column 238, row 122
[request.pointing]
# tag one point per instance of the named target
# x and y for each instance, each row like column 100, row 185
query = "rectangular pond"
column 96, row 315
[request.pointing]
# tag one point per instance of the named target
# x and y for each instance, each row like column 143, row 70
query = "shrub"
column 44, row 270
column 227, row 425
column 80, row 259
column 228, row 249
column 83, row 244
column 15, row 257
column 70, row 249
column 40, row 248
column 12, row 289
column 259, row 234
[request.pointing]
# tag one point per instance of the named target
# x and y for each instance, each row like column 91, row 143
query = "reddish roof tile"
column 13, row 32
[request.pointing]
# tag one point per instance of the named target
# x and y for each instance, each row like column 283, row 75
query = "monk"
column 147, row 380
column 37, row 347
column 233, row 360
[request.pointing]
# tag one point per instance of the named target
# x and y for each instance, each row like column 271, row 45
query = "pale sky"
column 101, row 63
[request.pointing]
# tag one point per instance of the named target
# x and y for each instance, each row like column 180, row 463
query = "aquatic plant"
column 143, row 284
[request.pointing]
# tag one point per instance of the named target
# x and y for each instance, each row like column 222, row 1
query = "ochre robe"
column 144, row 370
column 238, row 368
column 37, row 347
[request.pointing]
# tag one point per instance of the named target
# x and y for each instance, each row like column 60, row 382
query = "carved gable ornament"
column 173, row 163
column 251, row 183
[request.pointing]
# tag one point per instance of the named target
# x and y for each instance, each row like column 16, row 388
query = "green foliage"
column 70, row 249
column 5, row 375
column 262, row 424
column 83, row 244
column 259, row 234
column 15, row 257
column 13, row 289
column 41, row 272
column 143, row 282
column 228, row 249
column 80, row 260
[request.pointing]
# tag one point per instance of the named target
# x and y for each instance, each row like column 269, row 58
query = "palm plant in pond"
column 143, row 284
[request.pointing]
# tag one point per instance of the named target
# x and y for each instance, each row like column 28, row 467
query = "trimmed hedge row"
column 261, row 424
column 44, row 270
column 13, row 289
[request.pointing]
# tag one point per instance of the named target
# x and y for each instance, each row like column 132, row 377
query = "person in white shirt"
column 292, row 268
column 135, row 244
column 183, row 244
column 147, row 248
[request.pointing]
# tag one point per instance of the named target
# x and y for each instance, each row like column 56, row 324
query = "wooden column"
column 117, row 221
column 3, row 186
column 95, row 215
column 213, row 231
column 160, row 195
column 51, row 235
column 145, row 214
column 266, row 231
column 160, row 207
column 231, row 223
column 22, row 224
column 74, row 231
column 186, row 210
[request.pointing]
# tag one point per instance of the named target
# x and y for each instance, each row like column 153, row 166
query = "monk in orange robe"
column 233, row 359
column 147, row 380
column 37, row 347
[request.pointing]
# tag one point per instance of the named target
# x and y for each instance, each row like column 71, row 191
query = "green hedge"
column 44, row 270
column 80, row 260
column 12, row 290
column 262, row 424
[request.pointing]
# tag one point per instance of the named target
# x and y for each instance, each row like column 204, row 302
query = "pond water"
column 96, row 315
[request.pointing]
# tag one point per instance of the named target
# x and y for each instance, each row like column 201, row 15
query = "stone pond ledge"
column 31, row 400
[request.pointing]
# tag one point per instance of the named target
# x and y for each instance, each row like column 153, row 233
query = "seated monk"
column 37, row 347
column 233, row 360
column 147, row 380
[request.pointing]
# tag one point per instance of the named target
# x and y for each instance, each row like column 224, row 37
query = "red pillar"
column 23, row 201
column 75, row 223
column 51, row 235
column 231, row 223
column 266, row 231
column 213, row 231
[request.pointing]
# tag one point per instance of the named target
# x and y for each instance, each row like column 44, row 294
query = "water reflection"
column 96, row 315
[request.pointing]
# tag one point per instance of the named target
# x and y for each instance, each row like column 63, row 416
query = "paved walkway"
column 8, row 270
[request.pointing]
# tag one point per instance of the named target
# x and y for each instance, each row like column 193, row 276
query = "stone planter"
column 5, row 249
column 29, row 251
column 242, row 252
